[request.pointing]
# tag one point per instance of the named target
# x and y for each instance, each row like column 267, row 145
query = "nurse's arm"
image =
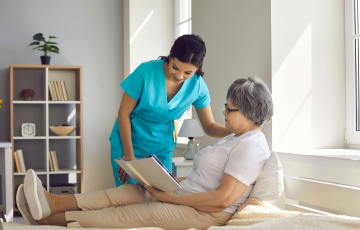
column 126, row 107
column 209, row 125
column 229, row 191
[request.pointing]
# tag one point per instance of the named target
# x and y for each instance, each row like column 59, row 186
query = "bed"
column 321, row 191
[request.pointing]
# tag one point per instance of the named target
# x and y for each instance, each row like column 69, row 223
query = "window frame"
column 352, row 136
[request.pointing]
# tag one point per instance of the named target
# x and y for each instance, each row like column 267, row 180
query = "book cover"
column 60, row 91
column 151, row 171
column 55, row 91
column 51, row 91
column 64, row 90
column 16, row 160
column 20, row 155
column 51, row 162
column 56, row 166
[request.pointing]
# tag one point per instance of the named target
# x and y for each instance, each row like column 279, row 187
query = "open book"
column 151, row 171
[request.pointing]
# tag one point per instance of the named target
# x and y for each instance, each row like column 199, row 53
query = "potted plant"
column 48, row 46
column 27, row 94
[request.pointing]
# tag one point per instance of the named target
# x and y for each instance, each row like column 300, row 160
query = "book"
column 51, row 162
column 54, row 159
column 64, row 90
column 60, row 91
column 51, row 91
column 55, row 91
column 149, row 170
column 16, row 160
column 20, row 155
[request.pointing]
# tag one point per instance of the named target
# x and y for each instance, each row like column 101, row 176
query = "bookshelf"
column 45, row 112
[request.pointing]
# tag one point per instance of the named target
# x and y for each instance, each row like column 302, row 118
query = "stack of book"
column 58, row 91
column 53, row 161
column 19, row 161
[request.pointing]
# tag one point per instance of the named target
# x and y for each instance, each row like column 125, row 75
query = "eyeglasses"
column 229, row 110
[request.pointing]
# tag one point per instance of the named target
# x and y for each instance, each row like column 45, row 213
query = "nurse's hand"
column 123, row 176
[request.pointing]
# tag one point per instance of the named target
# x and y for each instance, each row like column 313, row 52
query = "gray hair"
column 253, row 99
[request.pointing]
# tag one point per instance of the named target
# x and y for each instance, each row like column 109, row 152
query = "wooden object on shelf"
column 60, row 91
column 17, row 164
column 51, row 91
column 72, row 75
column 62, row 130
column 20, row 156
column 55, row 91
column 51, row 162
column 54, row 160
column 64, row 90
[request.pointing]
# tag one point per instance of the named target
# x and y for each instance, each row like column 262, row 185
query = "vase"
column 29, row 98
column 45, row 60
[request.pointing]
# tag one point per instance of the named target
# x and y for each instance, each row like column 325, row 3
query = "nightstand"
column 181, row 167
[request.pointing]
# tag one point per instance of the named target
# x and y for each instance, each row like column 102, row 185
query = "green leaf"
column 55, row 47
column 51, row 43
column 39, row 37
column 35, row 43
column 53, row 37
column 38, row 47
column 54, row 51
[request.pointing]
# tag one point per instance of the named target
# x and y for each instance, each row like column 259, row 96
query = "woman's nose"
column 224, row 112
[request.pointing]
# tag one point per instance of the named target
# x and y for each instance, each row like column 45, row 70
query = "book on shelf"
column 51, row 91
column 20, row 156
column 51, row 162
column 16, row 160
column 64, row 91
column 60, row 91
column 55, row 91
column 149, row 170
column 55, row 162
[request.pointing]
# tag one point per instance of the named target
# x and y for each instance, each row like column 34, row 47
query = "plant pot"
column 29, row 98
column 45, row 60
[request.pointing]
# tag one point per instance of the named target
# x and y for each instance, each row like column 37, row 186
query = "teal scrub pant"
column 116, row 153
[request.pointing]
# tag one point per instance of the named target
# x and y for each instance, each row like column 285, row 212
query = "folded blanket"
column 258, row 214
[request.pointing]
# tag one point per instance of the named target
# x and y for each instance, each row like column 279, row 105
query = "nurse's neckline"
column 167, row 78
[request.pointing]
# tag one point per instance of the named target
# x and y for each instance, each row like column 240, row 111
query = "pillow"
column 269, row 186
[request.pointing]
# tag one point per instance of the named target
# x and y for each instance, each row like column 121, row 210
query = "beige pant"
column 131, row 206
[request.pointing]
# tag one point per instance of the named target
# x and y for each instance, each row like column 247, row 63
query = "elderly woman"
column 223, row 177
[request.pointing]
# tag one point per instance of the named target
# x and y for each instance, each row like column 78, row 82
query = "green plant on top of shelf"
column 48, row 46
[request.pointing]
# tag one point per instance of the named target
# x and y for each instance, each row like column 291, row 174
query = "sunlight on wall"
column 141, row 26
column 71, row 116
column 292, row 92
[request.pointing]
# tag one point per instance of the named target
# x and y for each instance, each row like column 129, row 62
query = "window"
column 352, row 37
column 182, row 26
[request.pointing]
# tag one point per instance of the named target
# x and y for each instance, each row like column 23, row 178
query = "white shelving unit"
column 44, row 113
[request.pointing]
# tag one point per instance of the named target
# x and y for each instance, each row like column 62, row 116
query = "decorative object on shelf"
column 61, row 189
column 191, row 128
column 28, row 130
column 48, row 46
column 17, row 163
column 27, row 94
column 0, row 102
column 62, row 130
column 58, row 91
column 54, row 161
column 20, row 156
column 51, row 162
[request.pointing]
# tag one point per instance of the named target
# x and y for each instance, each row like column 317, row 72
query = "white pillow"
column 269, row 186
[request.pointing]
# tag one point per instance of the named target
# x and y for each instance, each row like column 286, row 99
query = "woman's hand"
column 179, row 179
column 159, row 195
column 123, row 176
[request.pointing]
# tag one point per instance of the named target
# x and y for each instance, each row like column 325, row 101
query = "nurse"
column 155, row 94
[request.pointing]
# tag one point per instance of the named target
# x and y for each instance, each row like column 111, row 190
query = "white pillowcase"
column 269, row 186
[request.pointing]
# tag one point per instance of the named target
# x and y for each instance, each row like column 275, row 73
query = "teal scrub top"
column 152, row 120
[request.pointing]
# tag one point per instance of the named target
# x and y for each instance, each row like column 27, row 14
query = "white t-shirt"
column 242, row 157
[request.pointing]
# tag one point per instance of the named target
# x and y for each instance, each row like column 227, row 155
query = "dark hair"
column 188, row 48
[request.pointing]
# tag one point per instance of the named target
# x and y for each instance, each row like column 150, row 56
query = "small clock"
column 28, row 130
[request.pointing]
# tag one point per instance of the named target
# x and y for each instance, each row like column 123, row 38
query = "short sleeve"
column 246, row 162
column 133, row 85
column 203, row 100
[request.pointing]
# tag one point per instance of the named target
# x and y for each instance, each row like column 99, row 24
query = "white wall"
column 237, row 35
column 91, row 35
column 149, row 31
column 308, row 74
